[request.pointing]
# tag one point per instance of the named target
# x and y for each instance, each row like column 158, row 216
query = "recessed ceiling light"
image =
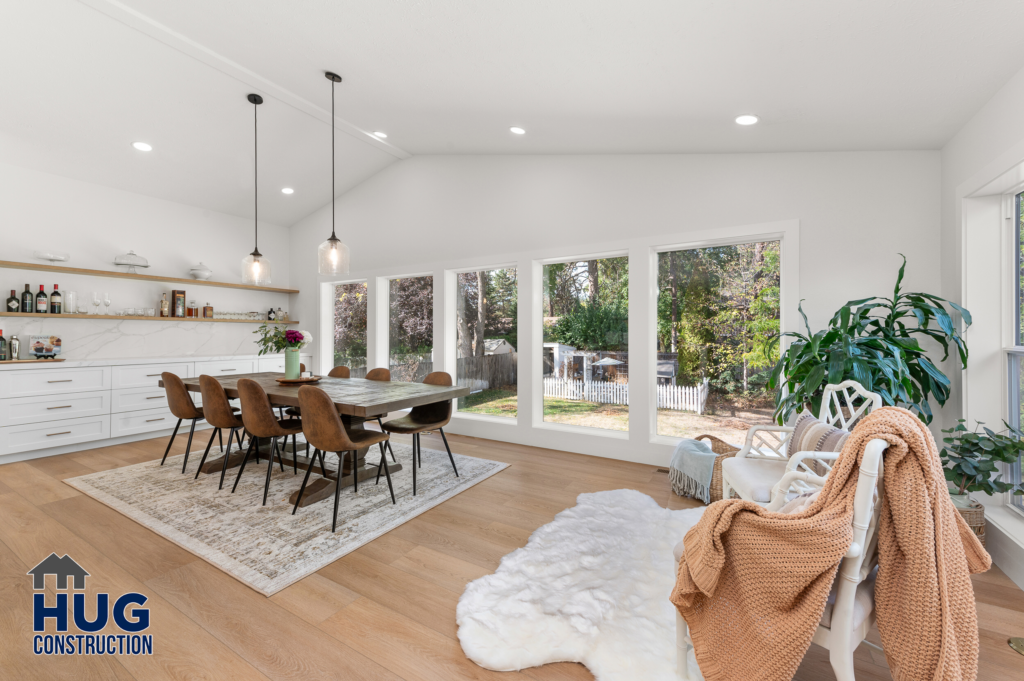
column 381, row 135
column 287, row 190
column 518, row 131
column 747, row 119
column 142, row 146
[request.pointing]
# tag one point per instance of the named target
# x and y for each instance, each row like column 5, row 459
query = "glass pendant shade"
column 332, row 257
column 256, row 270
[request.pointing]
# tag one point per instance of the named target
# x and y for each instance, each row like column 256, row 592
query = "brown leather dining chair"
column 382, row 374
column 336, row 372
column 259, row 419
column 323, row 427
column 184, row 409
column 425, row 418
column 219, row 414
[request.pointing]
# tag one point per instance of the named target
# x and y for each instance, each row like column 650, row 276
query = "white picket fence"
column 683, row 398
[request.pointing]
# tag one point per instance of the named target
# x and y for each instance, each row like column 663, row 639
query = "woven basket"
column 724, row 450
column 975, row 517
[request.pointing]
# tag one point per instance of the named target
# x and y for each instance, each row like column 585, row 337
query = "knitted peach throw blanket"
column 753, row 584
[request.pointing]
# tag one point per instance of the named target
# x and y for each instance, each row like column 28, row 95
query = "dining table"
column 357, row 401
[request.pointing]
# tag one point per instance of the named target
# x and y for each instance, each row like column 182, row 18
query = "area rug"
column 266, row 547
column 591, row 587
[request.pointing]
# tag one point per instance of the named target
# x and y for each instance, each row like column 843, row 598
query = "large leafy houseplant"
column 876, row 342
column 970, row 457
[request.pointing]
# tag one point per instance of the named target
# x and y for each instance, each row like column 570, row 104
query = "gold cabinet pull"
column 151, row 420
column 66, row 406
column 65, row 380
column 156, row 397
column 66, row 432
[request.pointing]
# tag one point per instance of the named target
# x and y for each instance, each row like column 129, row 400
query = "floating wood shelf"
column 138, row 277
column 145, row 319
column 30, row 361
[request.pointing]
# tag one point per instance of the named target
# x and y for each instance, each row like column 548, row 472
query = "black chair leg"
column 253, row 444
column 216, row 431
column 171, row 442
column 227, row 455
column 450, row 457
column 323, row 466
column 295, row 456
column 337, row 490
column 383, row 461
column 355, row 474
column 238, row 437
column 302, row 489
column 387, row 443
column 280, row 451
column 387, row 472
column 188, row 447
column 270, row 468
column 415, row 446
column 220, row 439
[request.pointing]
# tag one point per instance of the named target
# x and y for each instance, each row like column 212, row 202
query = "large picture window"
column 487, row 344
column 718, row 310
column 350, row 327
column 411, row 328
column 1016, row 378
column 586, row 351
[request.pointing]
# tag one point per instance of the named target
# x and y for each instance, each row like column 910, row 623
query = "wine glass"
column 95, row 303
column 106, row 303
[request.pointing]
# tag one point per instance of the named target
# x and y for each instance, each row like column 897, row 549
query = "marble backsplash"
column 85, row 339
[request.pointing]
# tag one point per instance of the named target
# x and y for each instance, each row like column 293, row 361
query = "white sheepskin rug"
column 591, row 587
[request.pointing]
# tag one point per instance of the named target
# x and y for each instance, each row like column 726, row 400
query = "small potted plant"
column 277, row 339
column 970, row 460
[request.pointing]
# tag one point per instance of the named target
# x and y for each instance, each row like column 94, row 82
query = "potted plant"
column 970, row 459
column 874, row 341
column 277, row 339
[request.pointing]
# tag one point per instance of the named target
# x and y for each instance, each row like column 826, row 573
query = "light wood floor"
column 385, row 611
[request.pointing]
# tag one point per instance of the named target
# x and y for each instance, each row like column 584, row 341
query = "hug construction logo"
column 89, row 641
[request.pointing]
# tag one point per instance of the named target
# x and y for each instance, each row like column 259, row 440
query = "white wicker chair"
column 756, row 470
column 850, row 612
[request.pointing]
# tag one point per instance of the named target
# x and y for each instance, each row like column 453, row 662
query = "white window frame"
column 653, row 306
column 451, row 339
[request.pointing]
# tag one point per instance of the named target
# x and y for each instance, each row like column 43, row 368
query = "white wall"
column 856, row 211
column 95, row 223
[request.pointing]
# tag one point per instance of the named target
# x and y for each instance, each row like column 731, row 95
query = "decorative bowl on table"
column 299, row 381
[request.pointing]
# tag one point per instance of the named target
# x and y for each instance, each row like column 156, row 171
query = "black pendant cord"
column 255, row 177
column 333, row 237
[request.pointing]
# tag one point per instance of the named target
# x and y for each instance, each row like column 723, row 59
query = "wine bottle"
column 42, row 300
column 26, row 301
column 13, row 304
column 3, row 345
column 55, row 301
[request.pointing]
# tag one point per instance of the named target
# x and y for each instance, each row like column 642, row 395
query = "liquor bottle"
column 3, row 345
column 164, row 307
column 42, row 300
column 271, row 316
column 55, row 301
column 14, row 348
column 13, row 304
column 27, row 304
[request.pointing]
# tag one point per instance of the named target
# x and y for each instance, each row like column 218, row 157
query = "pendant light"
column 332, row 256
column 255, row 266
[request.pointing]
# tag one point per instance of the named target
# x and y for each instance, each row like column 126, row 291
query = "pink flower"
column 292, row 337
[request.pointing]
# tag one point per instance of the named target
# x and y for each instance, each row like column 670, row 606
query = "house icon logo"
column 61, row 567
column 115, row 628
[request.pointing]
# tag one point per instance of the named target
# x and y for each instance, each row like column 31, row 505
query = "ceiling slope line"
column 140, row 22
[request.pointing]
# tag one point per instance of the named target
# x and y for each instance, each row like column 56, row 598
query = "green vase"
column 291, row 363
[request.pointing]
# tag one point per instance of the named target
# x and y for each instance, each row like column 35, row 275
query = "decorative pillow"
column 812, row 435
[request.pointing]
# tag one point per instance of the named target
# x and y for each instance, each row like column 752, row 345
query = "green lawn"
column 492, row 402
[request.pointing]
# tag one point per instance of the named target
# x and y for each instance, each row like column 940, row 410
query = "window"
column 718, row 308
column 350, row 327
column 487, row 345
column 411, row 328
column 586, row 352
column 1016, row 382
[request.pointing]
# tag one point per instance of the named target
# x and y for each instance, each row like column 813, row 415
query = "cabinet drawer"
column 15, row 439
column 275, row 364
column 135, row 399
column 135, row 422
column 225, row 367
column 47, row 381
column 147, row 375
column 16, row 411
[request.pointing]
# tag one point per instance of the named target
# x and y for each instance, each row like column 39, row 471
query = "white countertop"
column 70, row 364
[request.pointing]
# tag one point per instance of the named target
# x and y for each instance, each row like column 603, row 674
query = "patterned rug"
column 267, row 547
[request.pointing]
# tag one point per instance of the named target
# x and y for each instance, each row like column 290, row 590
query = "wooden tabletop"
column 352, row 396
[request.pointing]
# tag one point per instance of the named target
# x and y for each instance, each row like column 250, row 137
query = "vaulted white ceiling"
column 82, row 79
